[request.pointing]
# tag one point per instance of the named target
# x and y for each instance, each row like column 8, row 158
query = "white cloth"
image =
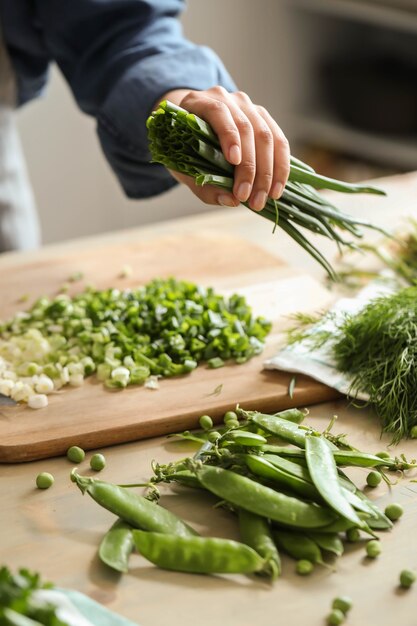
column 317, row 363
column 65, row 610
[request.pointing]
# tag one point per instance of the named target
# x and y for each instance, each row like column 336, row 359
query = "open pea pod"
column 323, row 471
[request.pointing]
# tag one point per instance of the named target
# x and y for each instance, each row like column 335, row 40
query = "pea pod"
column 184, row 477
column 282, row 428
column 256, row 533
column 348, row 458
column 342, row 525
column 380, row 521
column 245, row 438
column 323, row 471
column 260, row 466
column 294, row 454
column 377, row 519
column 287, row 465
column 330, row 542
column 116, row 546
column 353, row 458
column 292, row 415
column 252, row 496
column 298, row 545
column 132, row 508
column 198, row 555
column 306, row 486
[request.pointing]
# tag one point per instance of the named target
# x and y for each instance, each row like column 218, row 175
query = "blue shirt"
column 119, row 57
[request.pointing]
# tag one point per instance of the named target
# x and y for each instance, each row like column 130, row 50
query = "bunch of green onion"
column 183, row 142
column 164, row 328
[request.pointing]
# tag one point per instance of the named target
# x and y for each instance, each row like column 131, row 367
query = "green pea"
column 373, row 548
column 407, row 578
column 304, row 567
column 205, row 422
column 98, row 462
column 75, row 454
column 233, row 424
column 342, row 603
column 200, row 555
column 44, row 480
column 353, row 535
column 373, row 479
column 394, row 511
column 214, row 436
column 413, row 432
column 335, row 618
column 230, row 416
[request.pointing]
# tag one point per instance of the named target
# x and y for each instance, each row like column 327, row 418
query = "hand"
column 250, row 139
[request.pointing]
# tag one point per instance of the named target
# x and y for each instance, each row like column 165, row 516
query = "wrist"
column 175, row 96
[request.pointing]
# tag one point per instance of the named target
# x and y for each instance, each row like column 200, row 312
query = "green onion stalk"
column 185, row 143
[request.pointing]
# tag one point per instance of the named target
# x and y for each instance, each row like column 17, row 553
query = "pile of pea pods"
column 283, row 482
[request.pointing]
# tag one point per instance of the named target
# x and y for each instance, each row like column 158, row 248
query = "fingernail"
column 234, row 154
column 259, row 200
column 225, row 200
column 277, row 190
column 243, row 191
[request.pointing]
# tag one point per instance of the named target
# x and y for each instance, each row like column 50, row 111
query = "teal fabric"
column 95, row 612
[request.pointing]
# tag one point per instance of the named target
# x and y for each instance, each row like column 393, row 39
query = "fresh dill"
column 377, row 348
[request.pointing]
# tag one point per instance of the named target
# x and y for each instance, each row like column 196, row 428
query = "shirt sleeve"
column 119, row 57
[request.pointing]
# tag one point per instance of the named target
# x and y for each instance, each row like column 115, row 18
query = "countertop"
column 58, row 531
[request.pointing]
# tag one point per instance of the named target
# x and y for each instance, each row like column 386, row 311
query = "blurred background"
column 339, row 76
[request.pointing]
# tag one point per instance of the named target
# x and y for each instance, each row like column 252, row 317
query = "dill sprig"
column 377, row 348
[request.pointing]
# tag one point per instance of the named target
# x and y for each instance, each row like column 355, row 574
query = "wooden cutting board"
column 91, row 416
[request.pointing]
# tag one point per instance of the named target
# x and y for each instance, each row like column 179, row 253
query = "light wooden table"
column 57, row 531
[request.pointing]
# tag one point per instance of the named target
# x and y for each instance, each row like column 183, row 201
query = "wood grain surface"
column 92, row 416
column 58, row 531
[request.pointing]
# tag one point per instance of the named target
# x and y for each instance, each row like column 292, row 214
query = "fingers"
column 281, row 150
column 250, row 139
column 207, row 194
column 264, row 159
column 212, row 106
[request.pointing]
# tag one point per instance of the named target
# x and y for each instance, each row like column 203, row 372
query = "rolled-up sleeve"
column 119, row 57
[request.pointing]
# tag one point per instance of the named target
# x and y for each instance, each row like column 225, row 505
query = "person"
column 120, row 59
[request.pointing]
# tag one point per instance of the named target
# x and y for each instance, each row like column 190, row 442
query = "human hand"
column 250, row 139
